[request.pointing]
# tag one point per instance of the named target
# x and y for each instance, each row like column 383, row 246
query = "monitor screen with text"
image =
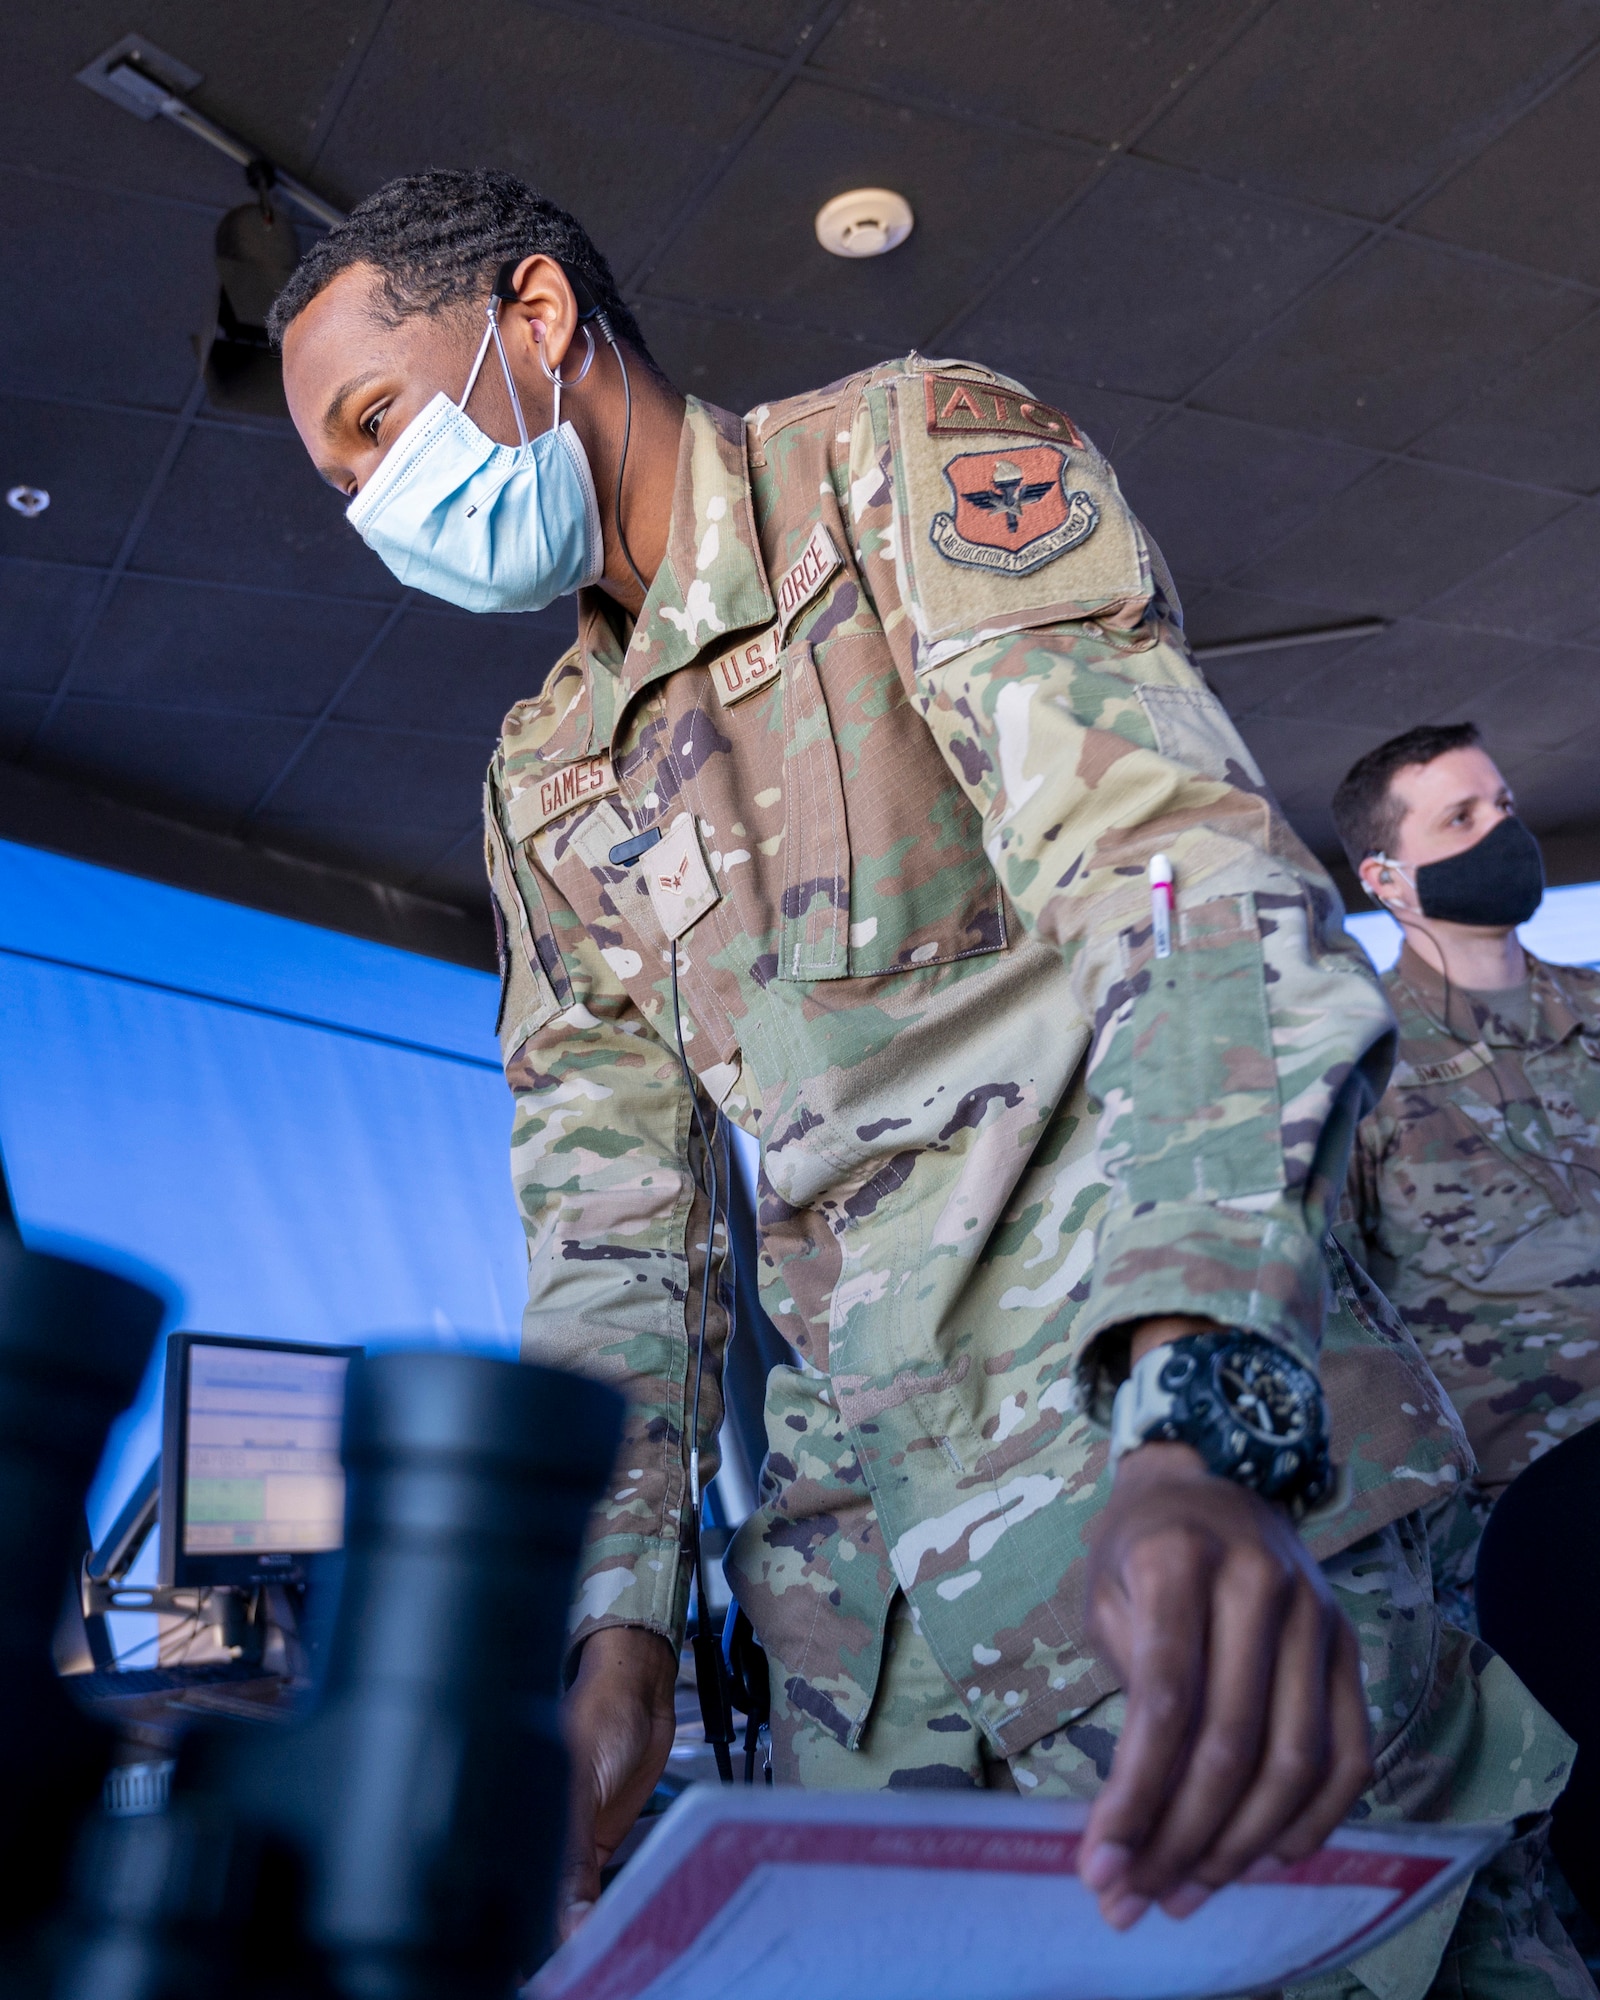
column 261, row 1464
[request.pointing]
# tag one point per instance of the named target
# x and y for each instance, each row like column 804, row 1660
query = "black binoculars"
column 403, row 1838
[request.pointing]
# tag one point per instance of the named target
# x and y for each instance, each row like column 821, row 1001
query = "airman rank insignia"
column 1013, row 512
column 746, row 668
column 679, row 882
column 561, row 792
column 954, row 404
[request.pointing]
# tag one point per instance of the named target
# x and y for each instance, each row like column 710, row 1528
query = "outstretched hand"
column 1246, row 1732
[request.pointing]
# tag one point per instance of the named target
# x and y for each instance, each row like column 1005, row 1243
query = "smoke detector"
column 866, row 222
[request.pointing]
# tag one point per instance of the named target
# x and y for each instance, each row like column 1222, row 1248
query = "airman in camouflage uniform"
column 851, row 806
column 909, row 704
column 1474, row 1200
column 1474, row 1191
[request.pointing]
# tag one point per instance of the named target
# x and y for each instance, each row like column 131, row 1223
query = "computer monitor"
column 251, row 1483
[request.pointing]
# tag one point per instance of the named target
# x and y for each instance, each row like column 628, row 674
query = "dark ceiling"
column 1322, row 276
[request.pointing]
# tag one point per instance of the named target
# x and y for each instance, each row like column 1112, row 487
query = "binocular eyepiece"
column 73, row 1345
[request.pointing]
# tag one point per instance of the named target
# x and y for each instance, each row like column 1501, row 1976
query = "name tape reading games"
column 547, row 799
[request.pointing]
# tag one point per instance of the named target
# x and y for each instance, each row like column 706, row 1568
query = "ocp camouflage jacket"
column 1474, row 1201
column 909, row 705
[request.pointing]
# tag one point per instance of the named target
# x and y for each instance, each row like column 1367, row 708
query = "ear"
column 1380, row 881
column 544, row 305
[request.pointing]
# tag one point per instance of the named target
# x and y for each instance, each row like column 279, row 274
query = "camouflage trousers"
column 1456, row 1737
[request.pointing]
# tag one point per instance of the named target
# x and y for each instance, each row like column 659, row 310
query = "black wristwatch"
column 1252, row 1411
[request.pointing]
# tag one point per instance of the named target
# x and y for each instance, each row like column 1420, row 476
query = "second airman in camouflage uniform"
column 1474, row 1189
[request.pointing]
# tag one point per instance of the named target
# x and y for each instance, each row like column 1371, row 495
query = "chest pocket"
column 884, row 864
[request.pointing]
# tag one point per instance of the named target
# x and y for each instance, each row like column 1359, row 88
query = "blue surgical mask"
column 486, row 526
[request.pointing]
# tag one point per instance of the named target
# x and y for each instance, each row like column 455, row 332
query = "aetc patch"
column 1012, row 510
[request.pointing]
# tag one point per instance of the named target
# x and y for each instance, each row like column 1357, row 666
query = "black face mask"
column 1494, row 885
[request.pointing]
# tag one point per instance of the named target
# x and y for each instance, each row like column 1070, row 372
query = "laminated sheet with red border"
column 780, row 1895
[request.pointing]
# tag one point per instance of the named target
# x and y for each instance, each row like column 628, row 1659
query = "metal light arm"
column 122, row 76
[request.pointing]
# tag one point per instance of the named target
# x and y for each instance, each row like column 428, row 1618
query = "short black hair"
column 1365, row 811
column 438, row 238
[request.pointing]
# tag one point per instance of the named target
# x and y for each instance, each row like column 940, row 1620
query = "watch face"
column 1267, row 1396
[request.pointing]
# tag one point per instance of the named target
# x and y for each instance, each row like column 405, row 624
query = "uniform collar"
column 1554, row 1010
column 712, row 584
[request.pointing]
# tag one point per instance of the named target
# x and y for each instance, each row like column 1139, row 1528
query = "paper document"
column 780, row 1895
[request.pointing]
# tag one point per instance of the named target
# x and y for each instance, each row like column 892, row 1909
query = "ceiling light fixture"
column 1281, row 642
column 866, row 222
column 151, row 84
column 255, row 243
column 29, row 500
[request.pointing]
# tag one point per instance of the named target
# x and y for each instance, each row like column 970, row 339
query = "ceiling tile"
column 43, row 610
column 1544, row 589
column 202, row 768
column 1151, row 282
column 1216, row 494
column 574, row 107
column 1391, row 681
column 380, row 845
column 1549, row 698
column 739, row 363
column 243, row 651
column 1097, row 68
column 96, row 465
column 1555, row 791
column 1390, row 345
column 20, row 716
column 753, row 243
column 775, row 28
column 246, row 506
column 65, row 247
column 265, row 73
column 380, row 776
column 1269, row 683
column 1303, row 761
column 1531, row 196
column 1364, row 107
column 1217, row 613
column 1398, row 538
column 1540, row 423
column 456, row 875
column 1314, row 824
column 458, row 675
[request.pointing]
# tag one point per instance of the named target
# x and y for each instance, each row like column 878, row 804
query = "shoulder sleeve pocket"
column 1206, row 1112
column 1192, row 728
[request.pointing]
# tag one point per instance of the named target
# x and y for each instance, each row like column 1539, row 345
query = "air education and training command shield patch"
column 1013, row 512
